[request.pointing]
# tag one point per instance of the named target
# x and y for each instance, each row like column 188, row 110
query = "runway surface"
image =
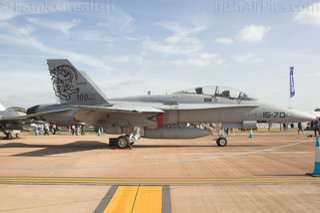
column 83, row 174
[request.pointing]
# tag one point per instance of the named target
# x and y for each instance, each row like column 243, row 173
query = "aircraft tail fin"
column 72, row 86
column 2, row 108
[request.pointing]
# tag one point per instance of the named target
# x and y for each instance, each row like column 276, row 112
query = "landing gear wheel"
column 123, row 142
column 17, row 135
column 222, row 142
column 131, row 143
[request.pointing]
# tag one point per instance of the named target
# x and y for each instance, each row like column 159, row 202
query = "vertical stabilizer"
column 2, row 108
column 73, row 87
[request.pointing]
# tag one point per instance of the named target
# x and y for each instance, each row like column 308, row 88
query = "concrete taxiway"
column 83, row 174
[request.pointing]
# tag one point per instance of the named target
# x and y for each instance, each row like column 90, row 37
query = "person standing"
column 46, row 129
column 73, row 129
column 54, row 129
column 291, row 126
column 300, row 128
column 77, row 129
column 82, row 130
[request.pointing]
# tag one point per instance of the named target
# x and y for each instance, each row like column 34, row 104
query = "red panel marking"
column 160, row 120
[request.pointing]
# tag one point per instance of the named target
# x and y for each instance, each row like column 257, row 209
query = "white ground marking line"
column 162, row 163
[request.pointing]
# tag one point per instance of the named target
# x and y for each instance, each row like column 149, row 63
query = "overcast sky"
column 130, row 47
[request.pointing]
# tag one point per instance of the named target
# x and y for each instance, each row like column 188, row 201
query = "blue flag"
column 292, row 91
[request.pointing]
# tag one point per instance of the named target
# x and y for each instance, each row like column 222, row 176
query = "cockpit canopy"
column 217, row 91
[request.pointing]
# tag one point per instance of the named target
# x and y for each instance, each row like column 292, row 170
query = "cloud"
column 309, row 15
column 113, row 59
column 65, row 26
column 24, row 93
column 183, row 40
column 117, row 20
column 252, row 33
column 171, row 49
column 181, row 32
column 313, row 75
column 224, row 40
column 92, row 35
column 203, row 60
column 6, row 14
column 21, row 35
column 61, row 26
column 247, row 57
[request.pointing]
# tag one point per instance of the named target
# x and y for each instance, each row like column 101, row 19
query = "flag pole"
column 289, row 102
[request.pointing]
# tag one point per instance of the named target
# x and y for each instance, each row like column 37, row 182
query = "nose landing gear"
column 126, row 141
column 221, row 141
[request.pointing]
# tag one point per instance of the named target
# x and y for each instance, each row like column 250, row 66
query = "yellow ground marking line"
column 149, row 199
column 123, row 200
column 165, row 181
column 148, row 179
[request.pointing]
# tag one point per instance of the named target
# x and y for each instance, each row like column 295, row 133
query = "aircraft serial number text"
column 274, row 114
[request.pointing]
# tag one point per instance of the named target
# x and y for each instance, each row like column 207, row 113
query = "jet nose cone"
column 301, row 116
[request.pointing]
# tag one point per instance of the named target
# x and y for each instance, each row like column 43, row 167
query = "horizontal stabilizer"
column 34, row 115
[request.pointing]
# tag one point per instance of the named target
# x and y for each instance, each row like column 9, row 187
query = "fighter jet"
column 154, row 116
column 11, row 122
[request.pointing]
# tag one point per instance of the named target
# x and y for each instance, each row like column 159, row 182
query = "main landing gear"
column 8, row 135
column 126, row 141
column 123, row 142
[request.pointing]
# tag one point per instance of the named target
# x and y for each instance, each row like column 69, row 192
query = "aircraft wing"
column 124, row 108
column 122, row 114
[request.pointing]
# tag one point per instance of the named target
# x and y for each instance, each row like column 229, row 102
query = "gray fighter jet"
column 154, row 116
column 10, row 121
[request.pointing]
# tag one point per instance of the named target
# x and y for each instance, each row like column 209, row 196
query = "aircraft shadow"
column 77, row 146
column 186, row 146
column 80, row 146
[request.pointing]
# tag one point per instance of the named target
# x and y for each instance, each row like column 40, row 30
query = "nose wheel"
column 222, row 141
